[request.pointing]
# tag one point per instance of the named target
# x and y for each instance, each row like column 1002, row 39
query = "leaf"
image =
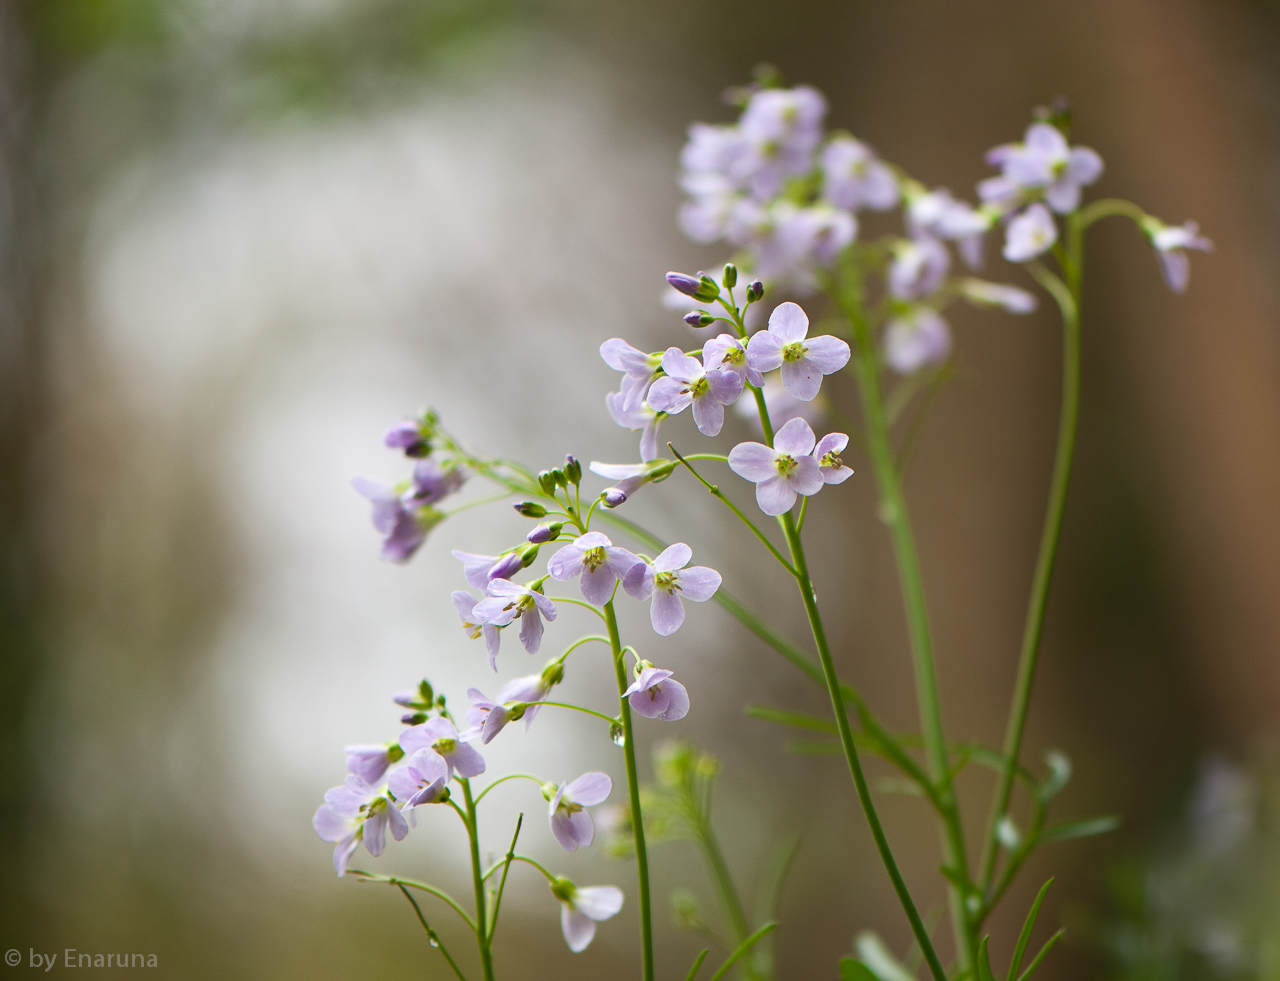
column 697, row 964
column 852, row 970
column 1080, row 829
column 1025, row 937
column 797, row 719
column 984, row 962
column 876, row 956
column 742, row 948
column 1059, row 773
column 806, row 747
column 899, row 785
column 1048, row 946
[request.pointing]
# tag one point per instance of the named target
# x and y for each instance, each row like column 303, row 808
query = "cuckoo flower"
column 353, row 813
column 465, row 604
column 403, row 523
column 491, row 717
column 639, row 369
column 508, row 601
column 433, row 483
column 440, row 736
column 1030, row 234
column 780, row 128
column 480, row 570
column 570, row 822
column 600, row 563
column 781, row 471
column 369, row 763
column 1044, row 161
column 1170, row 241
column 656, row 696
column 668, row 581
column 420, row 781
column 803, row 360
column 916, row 339
column 728, row 353
column 643, row 418
column 938, row 213
column 918, row 267
column 827, row 453
column 630, row 477
column 687, row 383
column 409, row 436
column 581, row 909
column 853, row 177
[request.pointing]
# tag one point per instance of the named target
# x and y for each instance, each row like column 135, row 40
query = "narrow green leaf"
column 852, row 970
column 798, row 719
column 984, row 962
column 1048, row 946
column 1024, row 938
column 809, row 747
column 697, row 964
column 955, row 878
column 1080, row 829
column 742, row 948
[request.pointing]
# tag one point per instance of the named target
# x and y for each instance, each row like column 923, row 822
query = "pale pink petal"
column 775, row 496
column 699, row 583
column 753, row 461
column 795, row 438
column 788, row 323
column 667, row 612
column 673, row 557
column 828, row 354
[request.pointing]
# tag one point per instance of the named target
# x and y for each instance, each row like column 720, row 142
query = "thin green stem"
column 578, row 708
column 395, row 880
column 633, row 792
column 578, row 643
column 576, row 602
column 502, row 884
column 504, row 779
column 724, row 879
column 477, row 880
column 1068, row 296
column 1107, row 208
column 432, row 937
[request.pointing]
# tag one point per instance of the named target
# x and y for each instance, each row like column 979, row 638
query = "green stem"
column 579, row 708
column 477, row 879
column 633, row 792
column 510, row 776
column 502, row 884
column 894, row 513
column 724, row 880
column 1068, row 296
column 395, row 880
column 432, row 936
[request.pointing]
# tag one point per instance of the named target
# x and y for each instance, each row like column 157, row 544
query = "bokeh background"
column 239, row 237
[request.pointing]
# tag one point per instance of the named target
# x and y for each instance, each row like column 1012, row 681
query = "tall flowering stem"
column 633, row 791
column 1066, row 291
column 483, row 938
column 893, row 510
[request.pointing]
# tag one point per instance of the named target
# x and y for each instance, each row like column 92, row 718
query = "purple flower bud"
column 506, row 566
column 697, row 318
column 688, row 285
column 413, row 718
column 613, row 497
column 755, row 291
column 406, row 698
column 407, row 436
column 545, row 532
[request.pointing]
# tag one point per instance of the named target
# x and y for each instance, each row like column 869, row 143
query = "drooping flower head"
column 803, row 359
column 508, row 601
column 441, row 737
column 403, row 522
column 916, row 339
column 581, row 909
column 1043, row 162
column 476, row 628
column 480, row 570
column 369, row 763
column 827, row 453
column 686, row 382
column 598, row 562
column 422, row 780
column 413, row 437
column 432, row 483
column 517, row 699
column 781, row 471
column 638, row 369
column 1170, row 243
column 631, row 477
column 644, row 418
column 656, row 695
column 570, row 822
column 353, row 813
column 669, row 583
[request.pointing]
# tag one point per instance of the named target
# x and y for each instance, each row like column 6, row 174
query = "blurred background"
column 239, row 238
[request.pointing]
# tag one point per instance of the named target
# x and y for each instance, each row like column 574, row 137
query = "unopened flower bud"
column 528, row 554
column 708, row 288
column 516, row 710
column 755, row 290
column 506, row 566
column 688, row 285
column 548, row 531
column 698, row 318
column 547, row 482
column 730, row 275
column 553, row 673
column 558, row 475
column 530, row 509
column 611, row 497
column 409, row 437
column 572, row 469
column 413, row 718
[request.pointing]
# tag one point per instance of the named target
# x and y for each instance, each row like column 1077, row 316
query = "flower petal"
column 667, row 612
column 753, row 461
column 673, row 557
column 699, row 583
column 577, row 928
column 795, row 438
column 590, row 788
column 827, row 353
column 788, row 323
column 775, row 496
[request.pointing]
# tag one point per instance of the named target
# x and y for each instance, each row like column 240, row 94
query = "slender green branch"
column 1068, row 296
column 633, row 793
column 742, row 949
column 502, row 883
column 477, row 881
column 504, row 779
column 578, row 708
column 578, row 643
column 395, row 880
column 576, row 602
column 1107, row 208
column 432, row 937
column 717, row 493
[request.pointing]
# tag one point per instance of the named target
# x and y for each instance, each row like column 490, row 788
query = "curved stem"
column 612, row 720
column 504, row 779
column 395, row 880
column 578, row 643
column 432, row 936
column 576, row 602
column 1107, row 208
column 1068, row 295
column 520, row 858
column 633, row 792
column 477, row 881
column 502, row 884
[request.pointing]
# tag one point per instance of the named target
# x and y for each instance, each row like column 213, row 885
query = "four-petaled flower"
column 465, row 604
column 781, row 471
column 729, row 353
column 639, row 370
column 570, row 822
column 440, row 736
column 421, row 780
column 369, row 763
column 404, row 525
column 1044, row 161
column 686, row 382
column 803, row 360
column 1029, row 234
column 656, row 696
column 508, row 601
column 490, row 717
column 668, row 581
column 580, row 909
column 353, row 813
column 827, row 453
column 1170, row 242
column 597, row 560
column 916, row 339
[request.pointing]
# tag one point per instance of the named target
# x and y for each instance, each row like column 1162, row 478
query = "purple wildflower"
column 656, row 696
column 353, row 813
column 491, row 717
column 369, row 763
column 780, row 128
column 508, row 601
column 919, row 338
column 781, row 471
column 803, row 360
column 570, row 822
column 1030, row 234
column 433, row 483
column 643, row 417
column 580, row 909
column 465, row 604
column 728, row 353
column 480, row 570
column 600, row 563
column 408, row 436
column 854, row 177
column 440, row 736
column 687, row 383
column 404, row 527
column 918, row 267
column 1170, row 241
column 630, row 477
column 639, row 369
column 827, row 453
column 790, row 240
column 938, row 213
column 421, row 780
column 667, row 580
column 1045, row 162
